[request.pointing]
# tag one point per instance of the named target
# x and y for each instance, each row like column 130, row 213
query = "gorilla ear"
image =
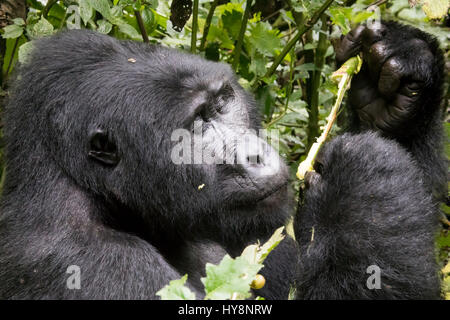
column 102, row 148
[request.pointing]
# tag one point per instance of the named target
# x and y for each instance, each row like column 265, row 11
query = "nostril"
column 254, row 159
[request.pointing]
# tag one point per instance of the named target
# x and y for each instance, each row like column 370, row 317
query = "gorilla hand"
column 398, row 88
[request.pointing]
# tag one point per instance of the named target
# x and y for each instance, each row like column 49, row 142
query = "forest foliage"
column 282, row 50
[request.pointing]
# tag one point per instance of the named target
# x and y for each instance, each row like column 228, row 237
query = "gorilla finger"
column 311, row 178
column 390, row 77
column 389, row 119
column 368, row 114
column 394, row 117
column 376, row 56
column 373, row 33
column 362, row 90
column 359, row 98
column 350, row 45
column 403, row 107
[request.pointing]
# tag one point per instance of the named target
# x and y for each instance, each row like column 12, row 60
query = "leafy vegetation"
column 281, row 49
column 231, row 279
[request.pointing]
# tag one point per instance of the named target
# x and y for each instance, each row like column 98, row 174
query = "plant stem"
column 316, row 76
column 301, row 31
column 47, row 7
column 344, row 75
column 141, row 25
column 194, row 26
column 288, row 94
column 13, row 53
column 208, row 24
column 240, row 40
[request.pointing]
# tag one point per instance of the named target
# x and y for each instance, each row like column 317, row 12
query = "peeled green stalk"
column 343, row 76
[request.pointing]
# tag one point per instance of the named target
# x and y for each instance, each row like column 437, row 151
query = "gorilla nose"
column 258, row 158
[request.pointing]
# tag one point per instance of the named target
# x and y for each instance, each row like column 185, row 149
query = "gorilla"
column 91, row 180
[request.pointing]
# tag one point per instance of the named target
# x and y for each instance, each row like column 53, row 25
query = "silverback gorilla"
column 90, row 181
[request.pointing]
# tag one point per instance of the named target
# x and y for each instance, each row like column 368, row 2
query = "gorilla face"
column 190, row 121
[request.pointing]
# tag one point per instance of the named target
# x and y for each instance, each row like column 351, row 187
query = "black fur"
column 367, row 207
column 373, row 200
column 127, row 226
column 90, row 182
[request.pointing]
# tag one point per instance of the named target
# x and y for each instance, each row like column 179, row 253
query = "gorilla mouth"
column 271, row 192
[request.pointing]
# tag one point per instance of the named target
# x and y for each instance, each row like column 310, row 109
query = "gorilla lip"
column 267, row 194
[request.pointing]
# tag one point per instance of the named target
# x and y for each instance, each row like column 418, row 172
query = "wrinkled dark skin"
column 398, row 92
column 387, row 91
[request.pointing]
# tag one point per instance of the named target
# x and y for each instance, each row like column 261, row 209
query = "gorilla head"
column 164, row 136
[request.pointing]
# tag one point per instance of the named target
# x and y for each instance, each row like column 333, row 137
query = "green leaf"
column 306, row 67
column 40, row 29
column 85, row 10
column 12, row 53
column 103, row 7
column 232, row 22
column 149, row 20
column 25, row 51
column 258, row 64
column 129, row 30
column 256, row 254
column 362, row 16
column 339, row 18
column 104, row 26
column 35, row 4
column 270, row 244
column 443, row 241
column 152, row 3
column 220, row 35
column 447, row 145
column 176, row 290
column 19, row 21
column 310, row 46
column 436, row 9
column 230, row 279
column 12, row 31
column 264, row 39
column 56, row 14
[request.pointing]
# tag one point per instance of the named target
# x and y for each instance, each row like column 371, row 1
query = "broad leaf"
column 12, row 31
column 264, row 39
column 40, row 29
column 24, row 51
column 104, row 26
column 85, row 10
column 436, row 9
column 103, row 7
column 230, row 279
column 176, row 290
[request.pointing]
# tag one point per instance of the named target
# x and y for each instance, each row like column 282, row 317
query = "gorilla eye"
column 102, row 148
